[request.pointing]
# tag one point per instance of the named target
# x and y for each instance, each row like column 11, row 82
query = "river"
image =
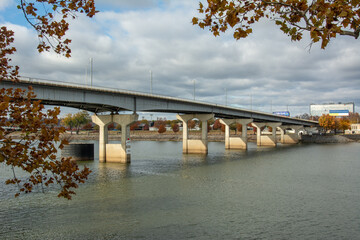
column 288, row 192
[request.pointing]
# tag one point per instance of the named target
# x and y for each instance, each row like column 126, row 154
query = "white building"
column 355, row 128
column 333, row 109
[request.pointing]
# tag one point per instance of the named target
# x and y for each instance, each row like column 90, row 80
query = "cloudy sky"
column 128, row 39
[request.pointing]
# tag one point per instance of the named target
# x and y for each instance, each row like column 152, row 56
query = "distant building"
column 333, row 109
column 355, row 128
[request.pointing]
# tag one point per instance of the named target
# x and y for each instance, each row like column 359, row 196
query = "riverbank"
column 213, row 136
column 330, row 138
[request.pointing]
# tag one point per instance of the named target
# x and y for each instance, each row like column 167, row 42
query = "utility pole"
column 91, row 71
column 194, row 89
column 151, row 90
column 86, row 75
column 225, row 96
column 250, row 101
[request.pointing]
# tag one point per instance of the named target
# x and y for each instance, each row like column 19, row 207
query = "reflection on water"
column 291, row 192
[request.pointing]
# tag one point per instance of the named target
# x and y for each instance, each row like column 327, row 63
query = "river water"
column 288, row 192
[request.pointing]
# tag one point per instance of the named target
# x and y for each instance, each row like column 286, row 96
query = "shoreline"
column 213, row 136
column 154, row 136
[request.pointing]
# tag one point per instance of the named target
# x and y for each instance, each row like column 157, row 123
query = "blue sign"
column 339, row 113
column 283, row 113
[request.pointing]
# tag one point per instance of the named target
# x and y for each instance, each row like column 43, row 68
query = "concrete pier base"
column 290, row 134
column 195, row 146
column 266, row 140
column 114, row 152
column 236, row 142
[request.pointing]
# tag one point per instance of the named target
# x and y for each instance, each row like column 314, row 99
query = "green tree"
column 80, row 119
column 76, row 120
column 322, row 19
column 68, row 121
column 35, row 152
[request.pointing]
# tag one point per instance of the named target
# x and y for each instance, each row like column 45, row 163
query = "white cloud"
column 4, row 4
column 267, row 66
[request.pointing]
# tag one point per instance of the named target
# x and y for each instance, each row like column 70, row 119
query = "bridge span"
column 106, row 103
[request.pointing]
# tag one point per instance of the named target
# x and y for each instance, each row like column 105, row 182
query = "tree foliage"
column 158, row 123
column 49, row 19
column 327, row 122
column 343, row 124
column 162, row 128
column 354, row 117
column 191, row 124
column 76, row 120
column 68, row 121
column 34, row 149
column 35, row 152
column 217, row 125
column 322, row 19
column 134, row 125
column 175, row 127
column 80, row 119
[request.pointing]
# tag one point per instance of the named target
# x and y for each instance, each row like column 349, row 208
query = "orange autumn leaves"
column 35, row 152
column 331, row 123
column 49, row 19
column 323, row 19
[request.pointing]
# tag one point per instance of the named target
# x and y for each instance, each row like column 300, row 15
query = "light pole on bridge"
column 91, row 71
column 151, row 79
column 194, row 89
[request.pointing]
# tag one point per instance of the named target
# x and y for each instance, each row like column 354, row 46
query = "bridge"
column 106, row 103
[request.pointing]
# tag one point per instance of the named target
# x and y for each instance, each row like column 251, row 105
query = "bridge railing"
column 118, row 90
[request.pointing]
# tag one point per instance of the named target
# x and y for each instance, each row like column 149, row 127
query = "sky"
column 129, row 39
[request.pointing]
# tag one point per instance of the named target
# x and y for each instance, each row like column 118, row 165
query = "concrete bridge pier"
column 114, row 152
column 121, row 152
column 236, row 142
column 266, row 140
column 102, row 121
column 192, row 145
column 290, row 137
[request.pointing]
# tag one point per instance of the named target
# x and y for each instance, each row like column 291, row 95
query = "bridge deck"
column 99, row 99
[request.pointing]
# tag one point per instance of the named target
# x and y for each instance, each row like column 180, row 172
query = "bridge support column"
column 290, row 138
column 191, row 145
column 236, row 142
column 266, row 140
column 121, row 152
column 114, row 152
column 102, row 121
